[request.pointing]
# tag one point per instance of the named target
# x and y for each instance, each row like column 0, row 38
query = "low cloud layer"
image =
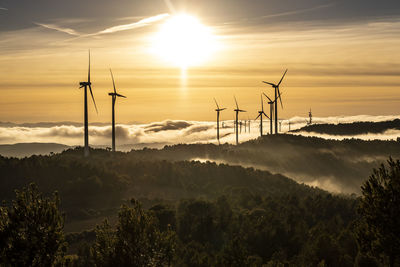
column 171, row 132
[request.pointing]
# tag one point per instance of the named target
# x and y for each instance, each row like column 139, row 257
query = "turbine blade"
column 268, row 98
column 273, row 85
column 121, row 95
column 279, row 93
column 282, row 78
column 280, row 98
column 242, row 110
column 265, row 115
column 91, row 92
column 222, row 109
column 237, row 106
column 216, row 103
column 89, row 68
column 258, row 116
column 262, row 104
column 112, row 77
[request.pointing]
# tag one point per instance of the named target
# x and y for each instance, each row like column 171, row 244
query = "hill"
column 337, row 166
column 219, row 212
column 28, row 149
column 355, row 128
column 95, row 187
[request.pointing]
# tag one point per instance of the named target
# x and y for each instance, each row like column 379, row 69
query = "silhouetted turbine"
column 271, row 110
column 114, row 96
column 277, row 95
column 237, row 110
column 86, row 123
column 260, row 115
column 218, row 110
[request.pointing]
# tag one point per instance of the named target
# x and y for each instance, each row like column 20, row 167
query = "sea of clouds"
column 168, row 132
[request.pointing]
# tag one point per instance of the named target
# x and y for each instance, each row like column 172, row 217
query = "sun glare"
column 183, row 41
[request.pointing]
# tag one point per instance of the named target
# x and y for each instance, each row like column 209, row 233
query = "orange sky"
column 337, row 69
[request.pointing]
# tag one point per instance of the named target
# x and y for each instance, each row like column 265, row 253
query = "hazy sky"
column 343, row 58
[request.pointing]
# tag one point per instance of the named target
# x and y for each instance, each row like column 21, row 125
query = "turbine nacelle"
column 89, row 84
column 276, row 87
column 272, row 84
column 270, row 100
column 83, row 84
column 114, row 94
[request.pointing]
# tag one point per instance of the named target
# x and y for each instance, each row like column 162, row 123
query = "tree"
column 379, row 227
column 31, row 230
column 137, row 240
column 234, row 253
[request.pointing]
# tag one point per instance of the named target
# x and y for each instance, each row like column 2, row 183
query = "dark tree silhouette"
column 379, row 228
column 136, row 241
column 31, row 230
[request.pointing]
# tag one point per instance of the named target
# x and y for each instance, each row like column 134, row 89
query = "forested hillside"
column 192, row 213
column 338, row 166
column 351, row 129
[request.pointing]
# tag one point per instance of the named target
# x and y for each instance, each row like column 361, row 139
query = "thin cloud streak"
column 139, row 24
column 3, row 8
column 170, row 6
column 295, row 12
column 58, row 28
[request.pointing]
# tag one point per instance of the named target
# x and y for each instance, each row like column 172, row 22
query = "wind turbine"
column 86, row 85
column 260, row 115
column 237, row 110
column 114, row 96
column 277, row 95
column 271, row 109
column 218, row 110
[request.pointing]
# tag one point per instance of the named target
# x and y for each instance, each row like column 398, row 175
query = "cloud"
column 3, row 8
column 298, row 11
column 167, row 125
column 172, row 132
column 141, row 23
column 60, row 29
column 170, row 6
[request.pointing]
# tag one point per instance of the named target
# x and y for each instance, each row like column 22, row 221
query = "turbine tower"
column 310, row 116
column 277, row 95
column 218, row 110
column 237, row 110
column 86, row 123
column 271, row 110
column 260, row 115
column 114, row 96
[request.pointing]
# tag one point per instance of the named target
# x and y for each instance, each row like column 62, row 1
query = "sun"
column 184, row 41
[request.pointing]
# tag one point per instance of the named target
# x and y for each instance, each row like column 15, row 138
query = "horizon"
column 170, row 132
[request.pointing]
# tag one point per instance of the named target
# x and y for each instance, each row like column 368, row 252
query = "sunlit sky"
column 343, row 57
